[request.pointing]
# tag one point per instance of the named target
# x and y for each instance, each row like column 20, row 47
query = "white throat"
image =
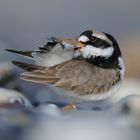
column 91, row 51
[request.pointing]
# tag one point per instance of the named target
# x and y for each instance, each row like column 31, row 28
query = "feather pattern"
column 54, row 52
column 78, row 76
column 23, row 53
column 62, row 64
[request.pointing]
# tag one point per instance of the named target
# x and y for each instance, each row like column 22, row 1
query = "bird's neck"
column 102, row 62
column 110, row 63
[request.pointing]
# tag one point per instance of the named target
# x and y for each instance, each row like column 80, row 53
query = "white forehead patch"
column 83, row 38
column 91, row 51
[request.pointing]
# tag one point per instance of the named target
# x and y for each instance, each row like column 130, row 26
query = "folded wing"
column 76, row 75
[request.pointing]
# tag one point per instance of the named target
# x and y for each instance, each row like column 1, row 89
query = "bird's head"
column 99, row 48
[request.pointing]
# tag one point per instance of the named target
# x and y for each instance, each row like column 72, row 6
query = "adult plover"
column 90, row 66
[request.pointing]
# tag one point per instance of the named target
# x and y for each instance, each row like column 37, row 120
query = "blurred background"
column 25, row 24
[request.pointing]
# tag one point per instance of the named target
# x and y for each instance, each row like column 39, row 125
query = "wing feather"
column 23, row 53
column 77, row 75
column 28, row 67
column 39, row 80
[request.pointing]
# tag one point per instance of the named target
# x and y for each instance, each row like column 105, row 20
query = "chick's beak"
column 79, row 45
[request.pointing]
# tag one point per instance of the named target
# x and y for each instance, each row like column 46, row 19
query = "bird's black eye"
column 93, row 39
